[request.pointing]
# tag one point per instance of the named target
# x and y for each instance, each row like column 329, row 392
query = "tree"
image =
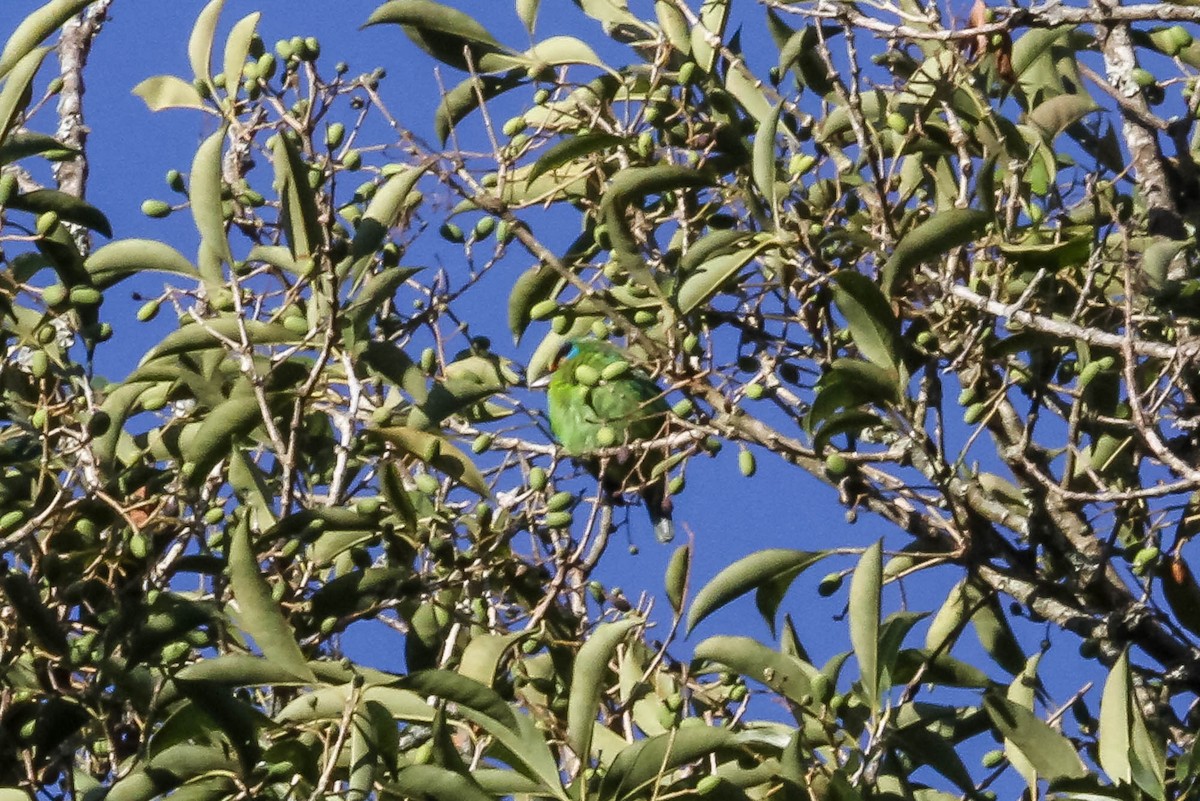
column 814, row 251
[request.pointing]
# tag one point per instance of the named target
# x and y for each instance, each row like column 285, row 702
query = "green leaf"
column 588, row 681
column 240, row 670
column 32, row 31
column 366, row 754
column 259, row 615
column 525, row 748
column 713, row 16
column 22, row 144
column 200, row 43
column 205, row 193
column 449, row 459
column 444, row 33
column 216, row 333
column 298, row 204
column 481, row 658
column 710, row 277
column 1127, row 753
column 1050, row 753
column 642, row 763
column 558, row 51
column 389, row 361
column 14, row 93
column 873, row 325
column 463, row 691
column 168, row 91
column 383, row 212
column 940, row 233
column 924, row 744
column 68, row 207
column 865, row 590
column 465, row 98
column 536, row 284
column 237, row 48
column 1055, row 114
column 119, row 260
column 527, row 12
column 713, row 244
column 1116, row 723
column 994, row 632
column 170, row 768
column 801, row 54
column 504, row 783
column 765, row 162
column 329, row 703
column 232, row 419
column 767, row 567
column 358, row 590
column 613, row 13
column 786, row 675
column 465, row 383
column 679, row 571
column 573, row 148
column 1022, row 691
column 637, row 182
column 378, row 289
column 436, row 783
column 852, row 422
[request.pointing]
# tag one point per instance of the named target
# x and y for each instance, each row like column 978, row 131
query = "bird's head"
column 569, row 350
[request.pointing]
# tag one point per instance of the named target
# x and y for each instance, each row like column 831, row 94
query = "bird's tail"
column 658, row 504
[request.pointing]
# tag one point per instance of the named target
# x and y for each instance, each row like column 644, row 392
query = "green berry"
column 47, row 222
column 537, row 479
column 156, row 208
column 484, row 227
column 54, row 295
column 85, row 296
column 334, row 135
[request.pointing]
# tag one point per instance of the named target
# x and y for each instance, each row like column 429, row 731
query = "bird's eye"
column 563, row 353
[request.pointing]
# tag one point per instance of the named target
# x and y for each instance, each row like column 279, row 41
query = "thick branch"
column 74, row 47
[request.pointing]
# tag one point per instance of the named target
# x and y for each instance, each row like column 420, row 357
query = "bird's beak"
column 541, row 382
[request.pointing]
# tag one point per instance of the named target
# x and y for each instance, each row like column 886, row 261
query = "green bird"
column 595, row 400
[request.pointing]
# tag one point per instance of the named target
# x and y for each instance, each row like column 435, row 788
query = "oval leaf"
column 933, row 237
column 865, row 591
column 587, row 681
column 749, row 573
column 258, row 613
column 126, row 257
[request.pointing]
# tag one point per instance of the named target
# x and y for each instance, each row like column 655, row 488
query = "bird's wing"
column 633, row 406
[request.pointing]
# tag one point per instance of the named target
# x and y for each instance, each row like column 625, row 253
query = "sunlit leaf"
column 448, row 459
column 784, row 674
column 32, row 31
column 942, row 232
column 1050, row 753
column 258, row 613
column 865, row 589
column 68, row 208
column 124, row 258
column 587, row 681
column 751, row 572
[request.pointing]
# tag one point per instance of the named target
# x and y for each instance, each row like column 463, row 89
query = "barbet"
column 596, row 399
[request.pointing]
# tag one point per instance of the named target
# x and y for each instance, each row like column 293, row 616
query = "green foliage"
column 811, row 262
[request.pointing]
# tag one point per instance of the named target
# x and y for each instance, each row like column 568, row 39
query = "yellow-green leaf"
column 200, row 43
column 258, row 614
